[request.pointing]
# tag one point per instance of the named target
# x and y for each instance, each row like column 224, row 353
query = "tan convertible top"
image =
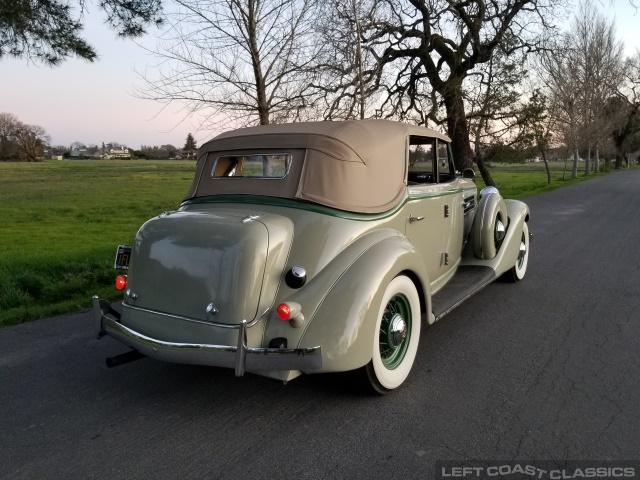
column 357, row 165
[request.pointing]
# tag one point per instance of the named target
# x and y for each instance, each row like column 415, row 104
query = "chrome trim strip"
column 248, row 359
column 189, row 319
column 416, row 195
column 241, row 349
column 469, row 203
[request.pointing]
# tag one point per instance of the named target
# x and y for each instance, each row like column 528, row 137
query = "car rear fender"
column 344, row 321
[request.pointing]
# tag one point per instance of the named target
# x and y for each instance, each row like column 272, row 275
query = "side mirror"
column 469, row 174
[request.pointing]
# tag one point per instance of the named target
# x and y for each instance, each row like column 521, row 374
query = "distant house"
column 79, row 153
column 122, row 152
column 111, row 153
column 48, row 154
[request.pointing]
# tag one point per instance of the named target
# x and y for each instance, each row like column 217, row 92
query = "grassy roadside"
column 517, row 180
column 61, row 220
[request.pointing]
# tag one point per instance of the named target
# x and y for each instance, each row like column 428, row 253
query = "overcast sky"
column 93, row 102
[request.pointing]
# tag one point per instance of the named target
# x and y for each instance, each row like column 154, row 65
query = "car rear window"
column 270, row 165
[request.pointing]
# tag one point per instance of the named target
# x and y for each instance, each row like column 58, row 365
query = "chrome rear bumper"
column 239, row 357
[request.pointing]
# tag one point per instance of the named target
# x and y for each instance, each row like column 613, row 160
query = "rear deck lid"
column 185, row 261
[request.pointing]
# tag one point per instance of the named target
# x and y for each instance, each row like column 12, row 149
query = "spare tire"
column 489, row 226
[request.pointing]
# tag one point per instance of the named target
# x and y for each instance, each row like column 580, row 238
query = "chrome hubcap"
column 523, row 250
column 500, row 231
column 397, row 331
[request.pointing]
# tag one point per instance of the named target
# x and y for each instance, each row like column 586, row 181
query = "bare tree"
column 582, row 75
column 623, row 112
column 565, row 86
column 441, row 42
column 19, row 141
column 497, row 113
column 241, row 61
column 344, row 67
column 602, row 65
column 31, row 140
column 8, row 144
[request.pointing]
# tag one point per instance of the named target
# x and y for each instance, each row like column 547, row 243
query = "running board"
column 467, row 281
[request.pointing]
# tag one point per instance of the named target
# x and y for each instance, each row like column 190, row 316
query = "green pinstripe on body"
column 314, row 207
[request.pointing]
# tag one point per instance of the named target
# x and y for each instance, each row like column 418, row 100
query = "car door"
column 454, row 202
column 434, row 210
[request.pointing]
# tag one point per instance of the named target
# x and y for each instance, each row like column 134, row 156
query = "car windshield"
column 253, row 166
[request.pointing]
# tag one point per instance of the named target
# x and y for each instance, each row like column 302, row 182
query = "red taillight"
column 284, row 311
column 121, row 282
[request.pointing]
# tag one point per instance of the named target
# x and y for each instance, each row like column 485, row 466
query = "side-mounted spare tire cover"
column 490, row 223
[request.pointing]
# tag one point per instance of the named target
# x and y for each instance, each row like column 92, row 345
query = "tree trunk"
column 457, row 125
column 596, row 167
column 587, row 162
column 574, row 171
column 359, row 60
column 618, row 161
column 484, row 171
column 261, row 89
column 546, row 164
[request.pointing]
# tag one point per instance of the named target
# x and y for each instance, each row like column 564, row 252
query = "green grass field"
column 521, row 180
column 60, row 222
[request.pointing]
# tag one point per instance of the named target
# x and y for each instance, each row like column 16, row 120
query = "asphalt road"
column 545, row 369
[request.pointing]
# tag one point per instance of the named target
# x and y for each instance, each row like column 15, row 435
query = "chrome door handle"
column 413, row 218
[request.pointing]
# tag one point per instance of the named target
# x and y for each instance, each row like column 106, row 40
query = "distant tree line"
column 499, row 76
column 164, row 152
column 19, row 141
column 30, row 143
column 589, row 98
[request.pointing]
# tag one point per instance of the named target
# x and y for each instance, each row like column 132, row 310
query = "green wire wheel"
column 395, row 331
column 396, row 338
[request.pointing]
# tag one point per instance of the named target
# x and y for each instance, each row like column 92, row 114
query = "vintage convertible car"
column 313, row 247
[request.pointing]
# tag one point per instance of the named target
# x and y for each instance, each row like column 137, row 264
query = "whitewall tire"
column 396, row 338
column 518, row 271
